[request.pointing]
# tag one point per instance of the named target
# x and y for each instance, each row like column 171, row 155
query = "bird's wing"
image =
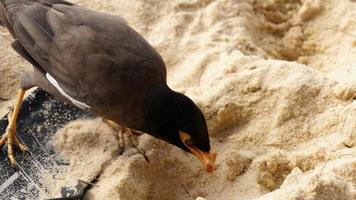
column 81, row 49
column 9, row 7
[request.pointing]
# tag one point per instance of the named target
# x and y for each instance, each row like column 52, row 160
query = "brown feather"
column 96, row 58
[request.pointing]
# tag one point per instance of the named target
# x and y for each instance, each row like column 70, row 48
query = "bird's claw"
column 10, row 138
column 121, row 142
column 143, row 153
column 139, row 150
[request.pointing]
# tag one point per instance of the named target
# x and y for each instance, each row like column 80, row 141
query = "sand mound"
column 276, row 81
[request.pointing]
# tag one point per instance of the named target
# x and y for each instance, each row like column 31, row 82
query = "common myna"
column 98, row 63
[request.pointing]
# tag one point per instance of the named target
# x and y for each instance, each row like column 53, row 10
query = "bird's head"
column 178, row 120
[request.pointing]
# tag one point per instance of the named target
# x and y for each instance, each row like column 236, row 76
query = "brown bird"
column 98, row 63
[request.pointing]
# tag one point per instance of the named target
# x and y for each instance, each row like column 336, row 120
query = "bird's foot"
column 120, row 137
column 10, row 139
column 122, row 143
column 134, row 144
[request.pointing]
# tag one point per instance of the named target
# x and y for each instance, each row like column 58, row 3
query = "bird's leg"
column 121, row 141
column 112, row 124
column 121, row 137
column 116, row 127
column 10, row 135
column 133, row 143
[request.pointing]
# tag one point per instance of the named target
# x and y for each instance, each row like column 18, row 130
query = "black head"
column 175, row 118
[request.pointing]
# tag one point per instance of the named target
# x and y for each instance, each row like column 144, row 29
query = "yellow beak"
column 207, row 159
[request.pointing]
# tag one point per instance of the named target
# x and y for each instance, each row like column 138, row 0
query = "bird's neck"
column 158, row 107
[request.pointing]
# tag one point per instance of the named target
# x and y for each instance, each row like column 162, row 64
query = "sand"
column 276, row 81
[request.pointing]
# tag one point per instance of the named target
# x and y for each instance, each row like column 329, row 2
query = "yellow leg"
column 121, row 141
column 112, row 124
column 133, row 143
column 121, row 137
column 10, row 134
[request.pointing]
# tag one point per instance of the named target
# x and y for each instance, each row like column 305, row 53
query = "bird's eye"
column 189, row 142
column 186, row 139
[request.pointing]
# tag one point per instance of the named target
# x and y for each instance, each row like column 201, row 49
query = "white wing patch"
column 74, row 101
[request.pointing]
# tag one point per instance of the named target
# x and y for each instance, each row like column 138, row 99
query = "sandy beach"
column 276, row 81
